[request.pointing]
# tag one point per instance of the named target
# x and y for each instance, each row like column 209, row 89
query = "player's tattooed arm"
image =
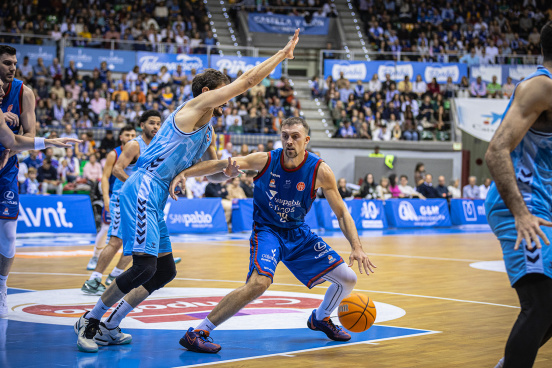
column 129, row 154
column 531, row 100
column 325, row 179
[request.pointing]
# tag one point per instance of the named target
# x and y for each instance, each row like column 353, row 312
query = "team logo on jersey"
column 9, row 195
column 287, row 185
column 272, row 183
column 300, row 186
column 10, row 108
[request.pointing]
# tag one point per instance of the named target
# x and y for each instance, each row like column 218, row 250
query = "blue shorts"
column 522, row 261
column 142, row 200
column 304, row 253
column 9, row 190
column 115, row 216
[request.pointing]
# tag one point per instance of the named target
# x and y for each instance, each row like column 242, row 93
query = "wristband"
column 39, row 144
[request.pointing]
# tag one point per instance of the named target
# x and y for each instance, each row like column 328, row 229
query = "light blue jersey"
column 532, row 161
column 114, row 205
column 144, row 194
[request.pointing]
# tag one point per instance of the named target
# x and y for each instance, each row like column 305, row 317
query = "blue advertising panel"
column 47, row 53
column 275, row 23
column 235, row 63
column 364, row 70
column 204, row 215
column 417, row 213
column 501, row 72
column 367, row 214
column 468, row 212
column 89, row 59
column 55, row 214
column 151, row 62
column 242, row 216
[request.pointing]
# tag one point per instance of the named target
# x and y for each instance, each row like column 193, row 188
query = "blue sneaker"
column 177, row 260
column 326, row 325
column 199, row 341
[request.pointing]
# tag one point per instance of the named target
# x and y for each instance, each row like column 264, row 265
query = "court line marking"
column 425, row 257
column 294, row 285
column 371, row 342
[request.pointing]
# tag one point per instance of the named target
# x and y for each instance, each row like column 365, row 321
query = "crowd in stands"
column 385, row 111
column 475, row 32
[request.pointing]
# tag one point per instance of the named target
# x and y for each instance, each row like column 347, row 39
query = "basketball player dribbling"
column 519, row 206
column 285, row 189
column 183, row 139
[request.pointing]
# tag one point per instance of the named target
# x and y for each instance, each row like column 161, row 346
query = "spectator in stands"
column 368, row 188
column 419, row 87
column 427, row 189
column 494, row 90
column 471, row 58
column 26, row 70
column 227, row 151
column 342, row 188
column 195, row 187
column 33, row 160
column 31, row 184
column 48, row 178
column 40, row 71
column 449, row 89
column 393, row 187
column 442, row 188
column 234, row 189
column 49, row 154
column 86, row 148
column 383, row 188
column 315, row 87
column 359, row 89
column 405, row 86
column 454, row 189
column 247, row 183
column 92, row 170
column 484, row 188
column 55, row 71
column 374, row 85
column 252, row 122
column 347, row 130
column 478, row 88
column 73, row 165
column 382, row 133
column 406, row 190
column 217, row 190
column 508, row 88
column 471, row 190
column 108, row 143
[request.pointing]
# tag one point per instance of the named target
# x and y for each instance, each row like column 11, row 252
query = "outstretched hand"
column 288, row 50
column 232, row 170
column 61, row 142
column 363, row 260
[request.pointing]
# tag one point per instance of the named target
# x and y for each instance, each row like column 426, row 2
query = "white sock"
column 123, row 308
column 116, row 272
column 206, row 325
column 95, row 275
column 98, row 311
column 3, row 283
column 343, row 280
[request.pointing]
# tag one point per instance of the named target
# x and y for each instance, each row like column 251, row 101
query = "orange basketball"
column 357, row 312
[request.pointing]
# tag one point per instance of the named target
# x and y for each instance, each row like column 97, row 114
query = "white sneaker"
column 87, row 329
column 3, row 304
column 500, row 363
column 92, row 264
column 112, row 337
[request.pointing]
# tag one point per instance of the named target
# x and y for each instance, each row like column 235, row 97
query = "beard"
column 291, row 154
column 217, row 111
column 149, row 135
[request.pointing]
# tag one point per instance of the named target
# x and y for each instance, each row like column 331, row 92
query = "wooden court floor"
column 427, row 276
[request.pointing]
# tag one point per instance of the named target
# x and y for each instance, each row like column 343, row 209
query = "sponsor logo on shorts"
column 300, row 186
column 9, row 195
column 270, row 258
column 6, row 212
column 331, row 259
column 320, row 246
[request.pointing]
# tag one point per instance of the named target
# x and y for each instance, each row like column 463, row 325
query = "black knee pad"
column 143, row 268
column 166, row 272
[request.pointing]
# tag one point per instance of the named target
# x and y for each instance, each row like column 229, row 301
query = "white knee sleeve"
column 7, row 237
column 342, row 275
column 343, row 280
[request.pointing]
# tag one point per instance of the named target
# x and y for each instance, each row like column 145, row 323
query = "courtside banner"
column 274, row 23
column 151, row 62
column 204, row 215
column 55, row 214
column 47, row 53
column 480, row 117
column 364, row 70
column 417, row 212
column 501, row 72
column 468, row 212
column 235, row 63
column 90, row 59
column 242, row 216
column 366, row 214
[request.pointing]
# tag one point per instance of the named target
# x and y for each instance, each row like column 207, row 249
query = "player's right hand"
column 288, row 50
column 4, row 158
column 528, row 228
column 12, row 119
column 178, row 181
column 61, row 142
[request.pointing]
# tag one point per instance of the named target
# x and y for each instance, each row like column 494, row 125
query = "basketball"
column 357, row 312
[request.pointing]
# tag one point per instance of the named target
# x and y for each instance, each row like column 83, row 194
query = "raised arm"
column 130, row 154
column 254, row 161
column 532, row 98
column 325, row 179
column 108, row 168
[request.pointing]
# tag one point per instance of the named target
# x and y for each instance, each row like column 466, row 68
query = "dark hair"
column 210, row 78
column 418, row 165
column 296, row 121
column 5, row 49
column 127, row 128
column 393, row 180
column 404, row 176
column 546, row 40
column 149, row 114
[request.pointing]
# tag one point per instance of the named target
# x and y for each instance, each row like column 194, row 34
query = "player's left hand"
column 232, row 170
column 12, row 120
column 363, row 261
column 61, row 142
column 178, row 181
column 4, row 158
